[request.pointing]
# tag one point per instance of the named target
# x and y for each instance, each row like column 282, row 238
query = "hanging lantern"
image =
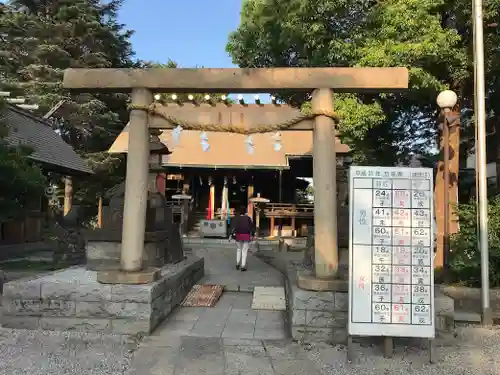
column 176, row 135
column 204, row 142
column 234, row 180
column 250, row 145
column 209, row 180
column 277, row 141
column 225, row 181
column 201, row 181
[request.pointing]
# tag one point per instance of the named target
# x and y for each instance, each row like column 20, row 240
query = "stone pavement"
column 231, row 317
column 220, row 269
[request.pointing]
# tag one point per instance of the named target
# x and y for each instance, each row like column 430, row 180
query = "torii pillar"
column 320, row 81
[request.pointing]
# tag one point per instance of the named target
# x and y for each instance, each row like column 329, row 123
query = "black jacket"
column 242, row 224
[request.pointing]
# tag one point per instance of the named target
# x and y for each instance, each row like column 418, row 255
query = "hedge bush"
column 465, row 258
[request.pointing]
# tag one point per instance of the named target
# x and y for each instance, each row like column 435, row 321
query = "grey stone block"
column 22, row 289
column 323, row 319
column 308, row 300
column 72, row 299
column 298, row 317
column 20, row 307
column 93, row 309
column 131, row 326
column 105, row 309
column 314, row 334
column 137, row 293
column 328, row 319
column 20, row 322
column 341, row 301
column 75, row 324
column 85, row 290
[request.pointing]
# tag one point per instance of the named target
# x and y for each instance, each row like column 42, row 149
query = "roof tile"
column 48, row 146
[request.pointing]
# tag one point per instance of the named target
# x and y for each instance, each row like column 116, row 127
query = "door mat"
column 269, row 298
column 203, row 296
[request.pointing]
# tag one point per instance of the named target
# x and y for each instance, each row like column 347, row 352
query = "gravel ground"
column 470, row 351
column 63, row 353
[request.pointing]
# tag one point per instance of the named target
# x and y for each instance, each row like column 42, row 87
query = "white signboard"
column 391, row 272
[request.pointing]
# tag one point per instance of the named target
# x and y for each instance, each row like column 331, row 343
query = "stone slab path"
column 220, row 269
column 215, row 356
column 232, row 317
column 269, row 298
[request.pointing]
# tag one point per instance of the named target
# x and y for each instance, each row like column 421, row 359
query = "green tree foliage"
column 465, row 258
column 432, row 38
column 42, row 39
column 21, row 182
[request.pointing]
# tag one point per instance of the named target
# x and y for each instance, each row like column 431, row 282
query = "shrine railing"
column 285, row 210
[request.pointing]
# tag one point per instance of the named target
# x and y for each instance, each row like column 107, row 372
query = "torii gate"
column 142, row 83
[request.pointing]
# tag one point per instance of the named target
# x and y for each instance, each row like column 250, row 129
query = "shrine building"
column 224, row 171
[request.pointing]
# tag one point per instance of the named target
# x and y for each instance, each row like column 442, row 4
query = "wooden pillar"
column 271, row 226
column 68, row 194
column 293, row 219
column 136, row 184
column 325, row 197
column 250, row 191
column 453, row 192
column 185, row 187
column 99, row 213
column 185, row 207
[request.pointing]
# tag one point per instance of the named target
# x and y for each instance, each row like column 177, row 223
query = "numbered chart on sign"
column 401, row 217
column 390, row 252
column 381, row 217
column 421, row 218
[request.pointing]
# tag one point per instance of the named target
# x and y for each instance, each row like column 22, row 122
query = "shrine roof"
column 49, row 149
column 228, row 150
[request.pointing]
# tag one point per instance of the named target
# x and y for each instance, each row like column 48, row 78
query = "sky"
column 192, row 33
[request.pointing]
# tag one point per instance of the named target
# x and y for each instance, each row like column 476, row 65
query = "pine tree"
column 42, row 38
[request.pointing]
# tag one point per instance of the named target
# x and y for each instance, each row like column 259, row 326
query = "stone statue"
column 308, row 260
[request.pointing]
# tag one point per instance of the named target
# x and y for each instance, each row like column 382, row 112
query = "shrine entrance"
column 146, row 116
column 230, row 169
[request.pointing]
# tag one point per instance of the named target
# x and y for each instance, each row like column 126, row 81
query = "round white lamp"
column 447, row 99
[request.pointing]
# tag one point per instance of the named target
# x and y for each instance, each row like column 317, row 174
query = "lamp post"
column 259, row 203
column 481, row 175
column 446, row 101
column 156, row 150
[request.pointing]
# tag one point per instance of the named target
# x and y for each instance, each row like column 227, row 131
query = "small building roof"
column 228, row 150
column 49, row 149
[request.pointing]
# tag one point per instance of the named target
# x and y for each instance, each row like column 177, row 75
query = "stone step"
column 467, row 317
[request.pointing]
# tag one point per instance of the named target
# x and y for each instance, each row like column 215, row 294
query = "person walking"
column 243, row 233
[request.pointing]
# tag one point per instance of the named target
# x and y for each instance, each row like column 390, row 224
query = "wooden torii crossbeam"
column 321, row 81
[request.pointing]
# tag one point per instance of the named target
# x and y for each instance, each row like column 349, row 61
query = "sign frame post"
column 391, row 255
